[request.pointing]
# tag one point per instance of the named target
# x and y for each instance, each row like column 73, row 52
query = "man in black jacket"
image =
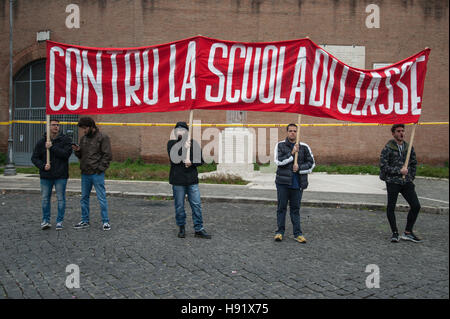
column 56, row 173
column 400, row 179
column 291, row 180
column 183, row 177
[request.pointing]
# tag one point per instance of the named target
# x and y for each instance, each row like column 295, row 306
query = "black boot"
column 202, row 234
column 182, row 232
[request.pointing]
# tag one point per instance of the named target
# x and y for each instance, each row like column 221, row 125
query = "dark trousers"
column 409, row 194
column 294, row 197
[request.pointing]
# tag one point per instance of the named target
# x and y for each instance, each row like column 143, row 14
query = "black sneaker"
column 202, row 234
column 395, row 238
column 182, row 232
column 81, row 225
column 411, row 237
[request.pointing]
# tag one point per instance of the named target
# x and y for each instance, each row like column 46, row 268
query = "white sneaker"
column 45, row 225
column 59, row 226
column 106, row 226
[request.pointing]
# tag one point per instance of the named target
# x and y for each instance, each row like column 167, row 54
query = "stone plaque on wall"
column 351, row 55
column 236, row 117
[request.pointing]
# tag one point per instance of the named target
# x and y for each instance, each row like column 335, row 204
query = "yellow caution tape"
column 221, row 125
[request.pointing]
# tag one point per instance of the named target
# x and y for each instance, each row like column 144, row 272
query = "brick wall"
column 407, row 26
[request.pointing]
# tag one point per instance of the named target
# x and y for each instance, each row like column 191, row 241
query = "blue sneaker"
column 81, row 225
column 411, row 237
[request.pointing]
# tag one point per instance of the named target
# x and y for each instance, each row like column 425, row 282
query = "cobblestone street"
column 141, row 257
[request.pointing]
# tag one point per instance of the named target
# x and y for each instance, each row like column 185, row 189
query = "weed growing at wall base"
column 422, row 170
column 138, row 170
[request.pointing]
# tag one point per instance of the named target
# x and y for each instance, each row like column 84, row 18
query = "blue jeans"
column 294, row 196
column 98, row 181
column 193, row 193
column 46, row 194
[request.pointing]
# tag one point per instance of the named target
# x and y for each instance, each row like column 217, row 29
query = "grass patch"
column 224, row 179
column 162, row 198
column 257, row 166
column 137, row 170
column 140, row 171
column 348, row 169
column 2, row 158
column 432, row 171
column 27, row 170
column 128, row 170
column 422, row 170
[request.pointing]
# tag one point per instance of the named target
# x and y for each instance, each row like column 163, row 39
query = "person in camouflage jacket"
column 399, row 180
column 392, row 160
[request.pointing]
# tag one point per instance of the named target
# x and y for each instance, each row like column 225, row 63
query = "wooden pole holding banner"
column 191, row 117
column 299, row 119
column 408, row 154
column 409, row 148
column 48, row 138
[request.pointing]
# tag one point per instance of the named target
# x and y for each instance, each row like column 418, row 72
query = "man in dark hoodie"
column 54, row 174
column 183, row 177
column 399, row 180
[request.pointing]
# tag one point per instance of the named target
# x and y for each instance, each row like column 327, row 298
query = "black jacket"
column 179, row 174
column 59, row 157
column 285, row 162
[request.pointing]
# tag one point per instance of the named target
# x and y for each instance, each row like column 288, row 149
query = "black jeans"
column 294, row 197
column 409, row 194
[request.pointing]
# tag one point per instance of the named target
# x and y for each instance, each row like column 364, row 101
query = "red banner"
column 201, row 73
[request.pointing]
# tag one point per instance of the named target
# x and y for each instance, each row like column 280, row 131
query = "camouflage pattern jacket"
column 392, row 160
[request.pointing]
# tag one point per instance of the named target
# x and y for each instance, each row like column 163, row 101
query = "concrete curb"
column 249, row 200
